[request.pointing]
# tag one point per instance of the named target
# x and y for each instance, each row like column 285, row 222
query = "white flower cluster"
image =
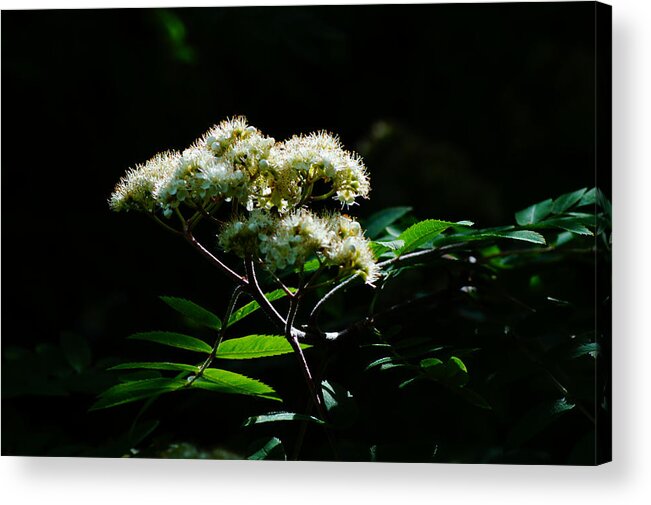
column 273, row 182
column 234, row 160
column 290, row 240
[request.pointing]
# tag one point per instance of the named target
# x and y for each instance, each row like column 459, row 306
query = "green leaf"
column 311, row 265
column 255, row 346
column 339, row 403
column 271, row 449
column 420, row 233
column 564, row 202
column 433, row 368
column 379, row 362
column 273, row 417
column 76, row 351
column 473, row 398
column 251, row 307
column 591, row 348
column 225, row 381
column 537, row 419
column 174, row 340
column 376, row 223
column 574, row 224
column 588, row 198
column 193, row 311
column 535, row 213
column 155, row 366
column 523, row 235
column 136, row 390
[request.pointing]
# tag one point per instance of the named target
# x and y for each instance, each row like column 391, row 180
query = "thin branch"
column 280, row 283
column 314, row 315
column 256, row 293
column 214, row 260
column 162, row 223
column 220, row 337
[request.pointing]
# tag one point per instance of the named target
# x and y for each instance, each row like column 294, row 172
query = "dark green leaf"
column 136, row 390
column 251, row 307
column 379, row 362
column 376, row 223
column 537, row 419
column 271, row 449
column 473, row 398
column 564, row 202
column 76, row 351
column 255, row 346
column 535, row 213
column 139, row 375
column 588, row 198
column 339, row 403
column 193, row 311
column 174, row 340
column 225, row 381
column 523, row 235
column 155, row 366
column 273, row 417
column 420, row 233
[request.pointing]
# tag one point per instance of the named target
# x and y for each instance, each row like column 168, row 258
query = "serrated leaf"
column 172, row 339
column 76, row 351
column 564, row 202
column 193, row 311
column 225, row 381
column 255, row 346
column 136, row 390
column 591, row 348
column 535, row 213
column 376, row 223
column 588, row 198
column 155, row 366
column 379, row 362
column 251, row 307
column 420, row 233
column 271, row 449
column 522, row 235
column 569, row 223
column 273, row 417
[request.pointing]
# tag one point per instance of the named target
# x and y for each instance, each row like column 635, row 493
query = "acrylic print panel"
column 371, row 233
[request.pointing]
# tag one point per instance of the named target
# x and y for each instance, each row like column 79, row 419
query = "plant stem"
column 222, row 333
column 214, row 260
column 314, row 315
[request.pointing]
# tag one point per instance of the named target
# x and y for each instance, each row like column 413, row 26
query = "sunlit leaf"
column 255, row 346
column 420, row 233
column 251, row 307
column 225, row 381
column 273, row 417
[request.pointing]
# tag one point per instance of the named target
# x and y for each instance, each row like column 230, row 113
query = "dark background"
column 463, row 112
